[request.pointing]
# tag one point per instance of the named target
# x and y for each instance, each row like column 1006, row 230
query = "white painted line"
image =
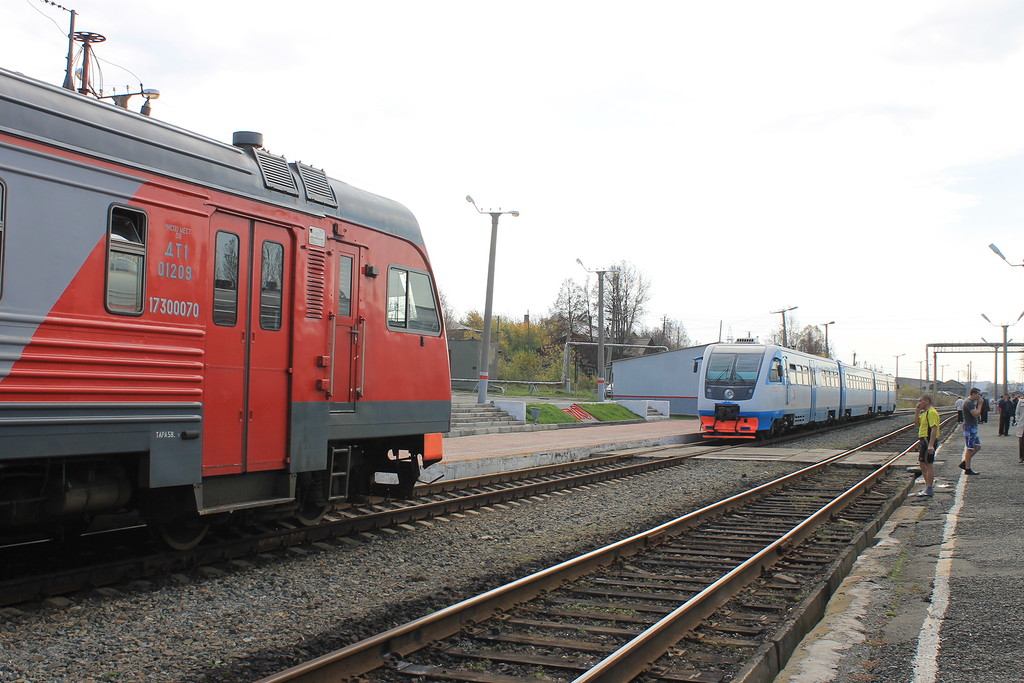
column 926, row 660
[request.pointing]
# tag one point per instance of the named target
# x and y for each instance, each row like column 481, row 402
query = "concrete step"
column 474, row 431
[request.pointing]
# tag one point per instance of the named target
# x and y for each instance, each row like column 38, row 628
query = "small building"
column 667, row 376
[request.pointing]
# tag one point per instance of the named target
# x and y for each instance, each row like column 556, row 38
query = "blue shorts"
column 971, row 436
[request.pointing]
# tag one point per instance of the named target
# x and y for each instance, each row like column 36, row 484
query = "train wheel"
column 778, row 426
column 311, row 514
column 182, row 534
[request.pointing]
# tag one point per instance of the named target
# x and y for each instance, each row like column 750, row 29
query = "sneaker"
column 925, row 492
column 969, row 472
column 962, row 465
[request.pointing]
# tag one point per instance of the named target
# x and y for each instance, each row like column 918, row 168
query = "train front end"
column 731, row 399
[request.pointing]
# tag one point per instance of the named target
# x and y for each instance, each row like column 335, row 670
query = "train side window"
column 345, row 287
column 3, row 224
column 225, row 280
column 271, row 279
column 411, row 302
column 775, row 372
column 126, row 261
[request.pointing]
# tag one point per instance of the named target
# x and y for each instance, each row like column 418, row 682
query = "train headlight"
column 729, row 393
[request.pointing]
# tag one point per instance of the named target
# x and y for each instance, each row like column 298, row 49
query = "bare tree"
column 672, row 334
column 626, row 295
column 809, row 340
column 450, row 314
column 570, row 313
column 785, row 337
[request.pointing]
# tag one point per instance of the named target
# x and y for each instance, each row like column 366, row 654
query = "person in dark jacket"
column 1005, row 406
column 984, row 410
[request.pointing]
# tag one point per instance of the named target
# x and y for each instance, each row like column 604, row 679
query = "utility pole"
column 785, row 338
column 484, row 369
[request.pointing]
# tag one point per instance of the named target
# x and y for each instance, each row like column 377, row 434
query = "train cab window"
column 3, row 224
column 271, row 280
column 225, row 280
column 775, row 372
column 345, row 287
column 126, row 261
column 411, row 302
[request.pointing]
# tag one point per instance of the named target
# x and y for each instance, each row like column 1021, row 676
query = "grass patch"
column 549, row 414
column 609, row 412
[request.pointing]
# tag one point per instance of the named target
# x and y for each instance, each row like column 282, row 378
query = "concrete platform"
column 940, row 596
column 470, row 456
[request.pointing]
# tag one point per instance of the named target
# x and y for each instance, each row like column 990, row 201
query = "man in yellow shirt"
column 927, row 420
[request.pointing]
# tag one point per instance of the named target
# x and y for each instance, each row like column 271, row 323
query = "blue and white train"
column 748, row 390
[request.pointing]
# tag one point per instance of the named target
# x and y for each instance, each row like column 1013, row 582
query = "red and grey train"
column 190, row 328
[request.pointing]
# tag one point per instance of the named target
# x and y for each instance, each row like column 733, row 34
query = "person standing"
column 959, row 409
column 927, row 420
column 1016, row 404
column 1005, row 408
column 972, row 444
column 985, row 405
column 1020, row 430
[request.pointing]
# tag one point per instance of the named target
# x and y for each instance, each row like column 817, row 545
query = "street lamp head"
column 514, row 213
column 830, row 322
column 987, row 319
column 994, row 248
column 470, row 200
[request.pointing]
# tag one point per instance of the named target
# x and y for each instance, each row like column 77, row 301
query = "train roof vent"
column 276, row 174
column 318, row 189
column 247, row 138
column 746, row 340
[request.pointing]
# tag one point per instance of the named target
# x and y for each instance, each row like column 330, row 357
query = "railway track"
column 36, row 570
column 44, row 569
column 704, row 598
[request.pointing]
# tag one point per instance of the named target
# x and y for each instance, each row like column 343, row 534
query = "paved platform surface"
column 524, row 443
column 940, row 596
column 468, row 456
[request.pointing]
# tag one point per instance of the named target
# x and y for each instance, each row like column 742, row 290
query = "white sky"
column 854, row 159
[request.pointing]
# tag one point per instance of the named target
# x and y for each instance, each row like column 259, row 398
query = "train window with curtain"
column 345, row 287
column 126, row 260
column 271, row 284
column 225, row 280
column 412, row 305
column 3, row 225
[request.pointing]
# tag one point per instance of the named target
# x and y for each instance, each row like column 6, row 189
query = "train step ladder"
column 341, row 464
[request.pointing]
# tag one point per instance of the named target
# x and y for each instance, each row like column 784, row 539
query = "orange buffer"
column 742, row 428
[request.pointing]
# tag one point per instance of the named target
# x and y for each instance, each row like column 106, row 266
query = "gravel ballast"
column 254, row 617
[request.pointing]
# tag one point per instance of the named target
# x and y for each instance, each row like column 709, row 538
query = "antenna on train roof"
column 91, row 84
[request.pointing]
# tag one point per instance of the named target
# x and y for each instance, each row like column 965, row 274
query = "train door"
column 247, row 389
column 785, row 364
column 813, row 376
column 349, row 332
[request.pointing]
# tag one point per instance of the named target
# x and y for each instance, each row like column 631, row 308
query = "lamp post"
column 600, row 326
column 1006, row 341
column 785, row 340
column 898, row 374
column 832, row 322
column 1000, row 255
column 486, row 341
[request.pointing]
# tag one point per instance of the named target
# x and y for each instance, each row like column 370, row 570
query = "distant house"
column 950, row 386
column 667, row 376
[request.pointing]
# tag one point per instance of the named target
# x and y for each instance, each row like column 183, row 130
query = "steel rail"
column 373, row 652
column 522, row 485
column 638, row 654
